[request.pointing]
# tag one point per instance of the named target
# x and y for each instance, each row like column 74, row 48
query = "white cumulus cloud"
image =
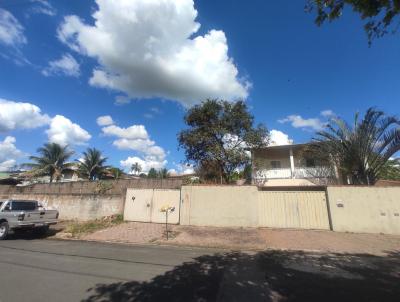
column 136, row 138
column 8, row 153
column 182, row 169
column 150, row 49
column 66, row 65
column 279, row 138
column 104, row 120
column 327, row 113
column 20, row 115
column 11, row 31
column 145, row 163
column 315, row 124
column 64, row 132
column 297, row 121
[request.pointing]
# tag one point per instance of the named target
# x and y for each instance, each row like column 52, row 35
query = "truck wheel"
column 42, row 231
column 4, row 228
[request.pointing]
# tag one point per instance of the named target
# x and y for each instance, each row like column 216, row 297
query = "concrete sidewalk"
column 249, row 238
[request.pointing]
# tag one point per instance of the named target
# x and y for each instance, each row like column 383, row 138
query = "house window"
column 310, row 162
column 275, row 164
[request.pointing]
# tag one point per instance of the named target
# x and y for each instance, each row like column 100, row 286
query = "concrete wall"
column 246, row 206
column 365, row 209
column 348, row 208
column 78, row 206
column 352, row 209
column 85, row 200
column 219, row 206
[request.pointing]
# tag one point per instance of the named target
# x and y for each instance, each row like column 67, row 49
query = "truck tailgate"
column 40, row 216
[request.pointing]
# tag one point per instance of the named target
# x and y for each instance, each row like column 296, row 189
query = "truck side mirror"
column 7, row 208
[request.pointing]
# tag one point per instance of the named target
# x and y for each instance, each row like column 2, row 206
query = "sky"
column 120, row 75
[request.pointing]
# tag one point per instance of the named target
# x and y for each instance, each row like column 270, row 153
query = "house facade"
column 289, row 165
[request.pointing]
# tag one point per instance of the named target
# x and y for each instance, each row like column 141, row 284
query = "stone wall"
column 79, row 206
column 85, row 200
column 92, row 187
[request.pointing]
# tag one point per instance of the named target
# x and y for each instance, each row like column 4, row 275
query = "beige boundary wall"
column 365, row 209
column 342, row 209
column 246, row 206
column 223, row 206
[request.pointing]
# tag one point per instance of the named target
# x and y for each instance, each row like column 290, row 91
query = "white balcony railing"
column 299, row 173
column 274, row 173
column 315, row 172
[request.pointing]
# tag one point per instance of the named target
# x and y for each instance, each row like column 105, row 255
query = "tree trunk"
column 221, row 173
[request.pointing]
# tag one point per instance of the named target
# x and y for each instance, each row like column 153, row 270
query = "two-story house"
column 289, row 165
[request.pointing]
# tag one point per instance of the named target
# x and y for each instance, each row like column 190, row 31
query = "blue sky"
column 65, row 63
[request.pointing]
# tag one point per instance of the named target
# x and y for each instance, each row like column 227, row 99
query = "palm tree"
column 136, row 168
column 360, row 151
column 52, row 161
column 91, row 166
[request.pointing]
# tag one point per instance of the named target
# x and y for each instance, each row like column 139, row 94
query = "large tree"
column 91, row 166
column 382, row 16
column 51, row 161
column 162, row 173
column 218, row 134
column 361, row 150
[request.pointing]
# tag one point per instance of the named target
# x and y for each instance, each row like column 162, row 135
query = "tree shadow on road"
column 267, row 276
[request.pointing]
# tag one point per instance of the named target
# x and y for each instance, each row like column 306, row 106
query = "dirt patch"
column 233, row 238
column 248, row 238
column 132, row 232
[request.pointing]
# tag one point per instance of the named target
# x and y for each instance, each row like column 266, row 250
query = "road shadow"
column 267, row 276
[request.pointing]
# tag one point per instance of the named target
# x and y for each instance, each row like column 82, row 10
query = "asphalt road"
column 52, row 270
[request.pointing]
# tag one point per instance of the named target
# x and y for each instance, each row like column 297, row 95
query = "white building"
column 288, row 165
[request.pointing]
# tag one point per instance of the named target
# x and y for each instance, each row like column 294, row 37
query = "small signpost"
column 167, row 209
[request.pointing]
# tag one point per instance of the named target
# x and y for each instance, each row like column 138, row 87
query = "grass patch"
column 77, row 229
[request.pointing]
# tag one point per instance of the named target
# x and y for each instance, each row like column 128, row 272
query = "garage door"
column 299, row 209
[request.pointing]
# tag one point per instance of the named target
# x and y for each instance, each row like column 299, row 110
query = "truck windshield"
column 22, row 205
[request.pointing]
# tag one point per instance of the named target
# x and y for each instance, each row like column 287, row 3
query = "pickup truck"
column 25, row 214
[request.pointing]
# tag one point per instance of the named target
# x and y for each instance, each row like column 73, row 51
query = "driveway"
column 56, row 270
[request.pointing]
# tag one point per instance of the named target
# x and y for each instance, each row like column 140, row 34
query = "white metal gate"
column 287, row 209
column 144, row 205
